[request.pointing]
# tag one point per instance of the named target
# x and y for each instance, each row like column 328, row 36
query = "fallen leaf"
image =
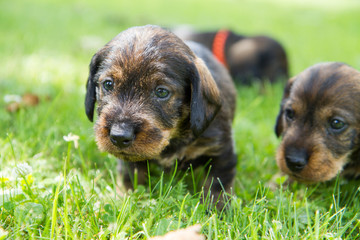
column 16, row 102
column 13, row 107
column 30, row 99
column 190, row 233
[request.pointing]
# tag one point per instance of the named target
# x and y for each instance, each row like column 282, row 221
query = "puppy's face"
column 150, row 88
column 319, row 121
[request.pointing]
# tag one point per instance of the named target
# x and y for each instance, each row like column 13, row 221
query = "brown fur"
column 313, row 147
column 192, row 124
column 249, row 58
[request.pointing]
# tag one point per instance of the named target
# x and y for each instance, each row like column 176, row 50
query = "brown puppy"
column 160, row 99
column 319, row 121
column 247, row 58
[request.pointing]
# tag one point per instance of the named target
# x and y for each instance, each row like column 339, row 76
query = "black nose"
column 122, row 135
column 296, row 159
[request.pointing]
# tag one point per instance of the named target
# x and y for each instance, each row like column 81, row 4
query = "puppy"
column 161, row 100
column 319, row 121
column 247, row 58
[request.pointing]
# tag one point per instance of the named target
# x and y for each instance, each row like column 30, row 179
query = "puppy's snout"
column 296, row 159
column 122, row 135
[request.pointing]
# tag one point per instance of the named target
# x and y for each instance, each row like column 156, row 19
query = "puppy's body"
column 319, row 121
column 247, row 58
column 159, row 100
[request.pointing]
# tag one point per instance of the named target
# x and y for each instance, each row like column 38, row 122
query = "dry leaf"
column 15, row 102
column 190, row 233
column 29, row 99
column 13, row 107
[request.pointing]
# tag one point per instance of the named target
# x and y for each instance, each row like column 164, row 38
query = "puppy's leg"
column 221, row 176
column 129, row 170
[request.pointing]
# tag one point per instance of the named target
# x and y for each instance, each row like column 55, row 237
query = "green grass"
column 51, row 190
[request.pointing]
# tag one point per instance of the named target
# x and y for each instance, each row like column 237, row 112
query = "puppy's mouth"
column 131, row 141
column 319, row 172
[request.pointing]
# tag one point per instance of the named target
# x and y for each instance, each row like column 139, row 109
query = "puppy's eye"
column 289, row 114
column 337, row 124
column 108, row 84
column 162, row 92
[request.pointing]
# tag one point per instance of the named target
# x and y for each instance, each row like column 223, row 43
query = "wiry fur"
column 193, row 124
column 312, row 100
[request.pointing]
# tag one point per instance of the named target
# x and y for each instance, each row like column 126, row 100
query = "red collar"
column 218, row 46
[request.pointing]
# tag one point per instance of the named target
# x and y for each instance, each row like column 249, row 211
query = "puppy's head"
column 319, row 122
column 149, row 87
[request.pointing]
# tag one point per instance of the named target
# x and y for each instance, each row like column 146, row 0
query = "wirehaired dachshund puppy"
column 247, row 58
column 319, row 121
column 160, row 99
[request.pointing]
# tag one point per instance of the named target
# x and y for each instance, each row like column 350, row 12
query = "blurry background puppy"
column 319, row 121
column 248, row 58
column 160, row 99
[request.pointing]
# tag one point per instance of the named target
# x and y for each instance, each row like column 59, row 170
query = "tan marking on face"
column 140, row 63
column 145, row 145
column 322, row 166
column 329, row 95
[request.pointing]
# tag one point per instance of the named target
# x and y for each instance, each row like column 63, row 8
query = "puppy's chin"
column 135, row 153
column 131, row 157
column 321, row 167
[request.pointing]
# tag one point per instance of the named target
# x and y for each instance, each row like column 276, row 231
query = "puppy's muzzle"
column 122, row 135
column 296, row 159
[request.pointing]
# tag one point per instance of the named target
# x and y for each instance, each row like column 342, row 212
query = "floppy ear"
column 205, row 98
column 279, row 127
column 90, row 97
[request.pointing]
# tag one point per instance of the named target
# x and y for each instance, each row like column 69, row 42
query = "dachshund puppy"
column 161, row 100
column 247, row 58
column 319, row 122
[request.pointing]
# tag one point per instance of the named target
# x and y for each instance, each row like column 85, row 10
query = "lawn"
column 51, row 188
